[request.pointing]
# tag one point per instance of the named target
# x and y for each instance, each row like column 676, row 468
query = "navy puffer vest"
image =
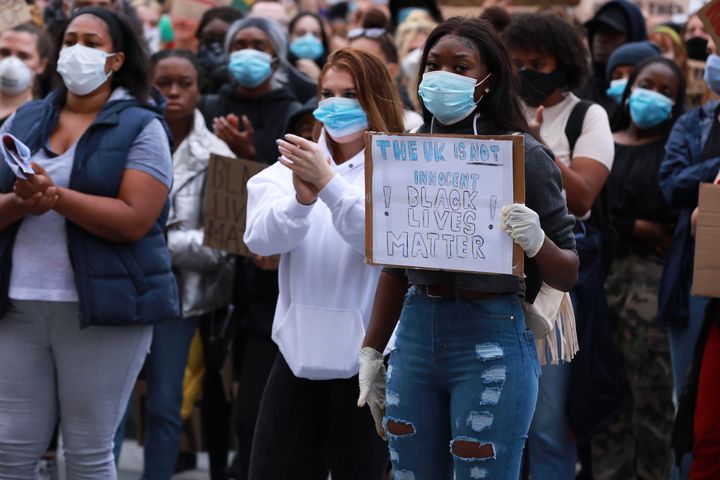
column 117, row 284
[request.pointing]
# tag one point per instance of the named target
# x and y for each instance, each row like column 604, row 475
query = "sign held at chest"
column 433, row 201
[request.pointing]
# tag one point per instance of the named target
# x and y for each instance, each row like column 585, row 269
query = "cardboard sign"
column 710, row 16
column 193, row 9
column 433, row 201
column 13, row 13
column 706, row 272
column 225, row 203
column 661, row 10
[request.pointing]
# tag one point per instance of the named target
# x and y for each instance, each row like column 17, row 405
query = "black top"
column 268, row 115
column 635, row 194
column 543, row 194
column 712, row 145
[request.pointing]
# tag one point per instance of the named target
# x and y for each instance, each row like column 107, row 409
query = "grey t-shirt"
column 543, row 194
column 41, row 262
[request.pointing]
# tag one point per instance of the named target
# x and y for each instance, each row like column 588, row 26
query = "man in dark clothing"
column 615, row 23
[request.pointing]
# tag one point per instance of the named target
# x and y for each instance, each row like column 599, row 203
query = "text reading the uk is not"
column 434, row 201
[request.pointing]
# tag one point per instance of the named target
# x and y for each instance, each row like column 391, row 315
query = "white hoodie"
column 326, row 289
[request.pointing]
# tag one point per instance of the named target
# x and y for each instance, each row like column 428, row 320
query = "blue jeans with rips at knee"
column 462, row 386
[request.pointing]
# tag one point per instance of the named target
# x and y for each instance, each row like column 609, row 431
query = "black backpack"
column 600, row 218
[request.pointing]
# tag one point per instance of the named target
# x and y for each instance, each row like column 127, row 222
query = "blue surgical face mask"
column 648, row 108
column 250, row 67
column 616, row 89
column 712, row 73
column 448, row 96
column 341, row 116
column 308, row 46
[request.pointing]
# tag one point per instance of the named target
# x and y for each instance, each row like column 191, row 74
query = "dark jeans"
column 299, row 416
column 164, row 373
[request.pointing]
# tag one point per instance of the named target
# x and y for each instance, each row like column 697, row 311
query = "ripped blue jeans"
column 462, row 386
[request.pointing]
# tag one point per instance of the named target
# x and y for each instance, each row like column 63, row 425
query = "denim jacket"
column 681, row 173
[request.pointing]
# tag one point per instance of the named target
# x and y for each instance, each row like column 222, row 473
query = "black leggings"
column 299, row 416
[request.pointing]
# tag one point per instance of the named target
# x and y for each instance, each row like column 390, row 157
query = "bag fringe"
column 568, row 346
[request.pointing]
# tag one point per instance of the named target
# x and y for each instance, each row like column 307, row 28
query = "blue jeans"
column 164, row 374
column 551, row 446
column 462, row 385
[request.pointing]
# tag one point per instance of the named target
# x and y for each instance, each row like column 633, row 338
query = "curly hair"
column 548, row 34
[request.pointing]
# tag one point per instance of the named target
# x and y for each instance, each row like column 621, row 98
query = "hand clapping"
column 38, row 193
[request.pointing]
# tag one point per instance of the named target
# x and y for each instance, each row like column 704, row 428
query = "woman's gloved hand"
column 523, row 226
column 372, row 385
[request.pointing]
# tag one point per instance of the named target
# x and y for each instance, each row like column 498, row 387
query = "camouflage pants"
column 637, row 444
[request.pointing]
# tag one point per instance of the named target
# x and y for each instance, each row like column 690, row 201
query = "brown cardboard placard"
column 13, row 13
column 193, row 9
column 706, row 272
column 710, row 16
column 518, row 183
column 225, row 203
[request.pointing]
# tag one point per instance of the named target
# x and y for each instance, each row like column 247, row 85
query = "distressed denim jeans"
column 462, row 386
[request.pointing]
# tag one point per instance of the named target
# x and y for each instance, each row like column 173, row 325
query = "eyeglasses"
column 366, row 32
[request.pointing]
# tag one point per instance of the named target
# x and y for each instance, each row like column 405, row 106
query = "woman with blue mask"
column 465, row 372
column 309, row 44
column 249, row 113
column 309, row 208
column 644, row 222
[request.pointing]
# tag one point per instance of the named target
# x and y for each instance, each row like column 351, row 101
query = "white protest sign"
column 433, row 201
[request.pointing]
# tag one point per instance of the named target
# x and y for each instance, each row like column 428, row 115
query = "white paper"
column 16, row 156
column 437, row 201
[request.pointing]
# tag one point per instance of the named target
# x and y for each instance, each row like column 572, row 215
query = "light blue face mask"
column 341, row 116
column 712, row 73
column 308, row 46
column 448, row 96
column 250, row 67
column 616, row 89
column 648, row 108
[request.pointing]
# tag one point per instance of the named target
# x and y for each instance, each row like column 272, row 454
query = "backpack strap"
column 573, row 127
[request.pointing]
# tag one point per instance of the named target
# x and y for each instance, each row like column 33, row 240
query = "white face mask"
column 15, row 76
column 83, row 68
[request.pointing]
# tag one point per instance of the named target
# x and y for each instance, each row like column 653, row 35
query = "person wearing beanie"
column 621, row 65
column 615, row 23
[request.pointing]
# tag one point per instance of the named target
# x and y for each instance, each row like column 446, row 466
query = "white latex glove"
column 523, row 226
column 372, row 386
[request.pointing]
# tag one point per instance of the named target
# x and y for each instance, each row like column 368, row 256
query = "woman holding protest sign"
column 465, row 372
column 310, row 208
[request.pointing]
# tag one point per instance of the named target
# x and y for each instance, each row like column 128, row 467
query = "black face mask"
column 536, row 86
column 697, row 48
column 212, row 59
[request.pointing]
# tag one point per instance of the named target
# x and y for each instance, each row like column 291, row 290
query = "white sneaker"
column 46, row 470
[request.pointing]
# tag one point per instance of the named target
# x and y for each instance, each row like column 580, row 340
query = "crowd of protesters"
column 598, row 364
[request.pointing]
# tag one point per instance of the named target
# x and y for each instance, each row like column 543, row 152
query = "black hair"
column 134, row 75
column 323, row 37
column 621, row 120
column 177, row 53
column 375, row 19
column 226, row 14
column 502, row 104
column 547, row 33
column 498, row 17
